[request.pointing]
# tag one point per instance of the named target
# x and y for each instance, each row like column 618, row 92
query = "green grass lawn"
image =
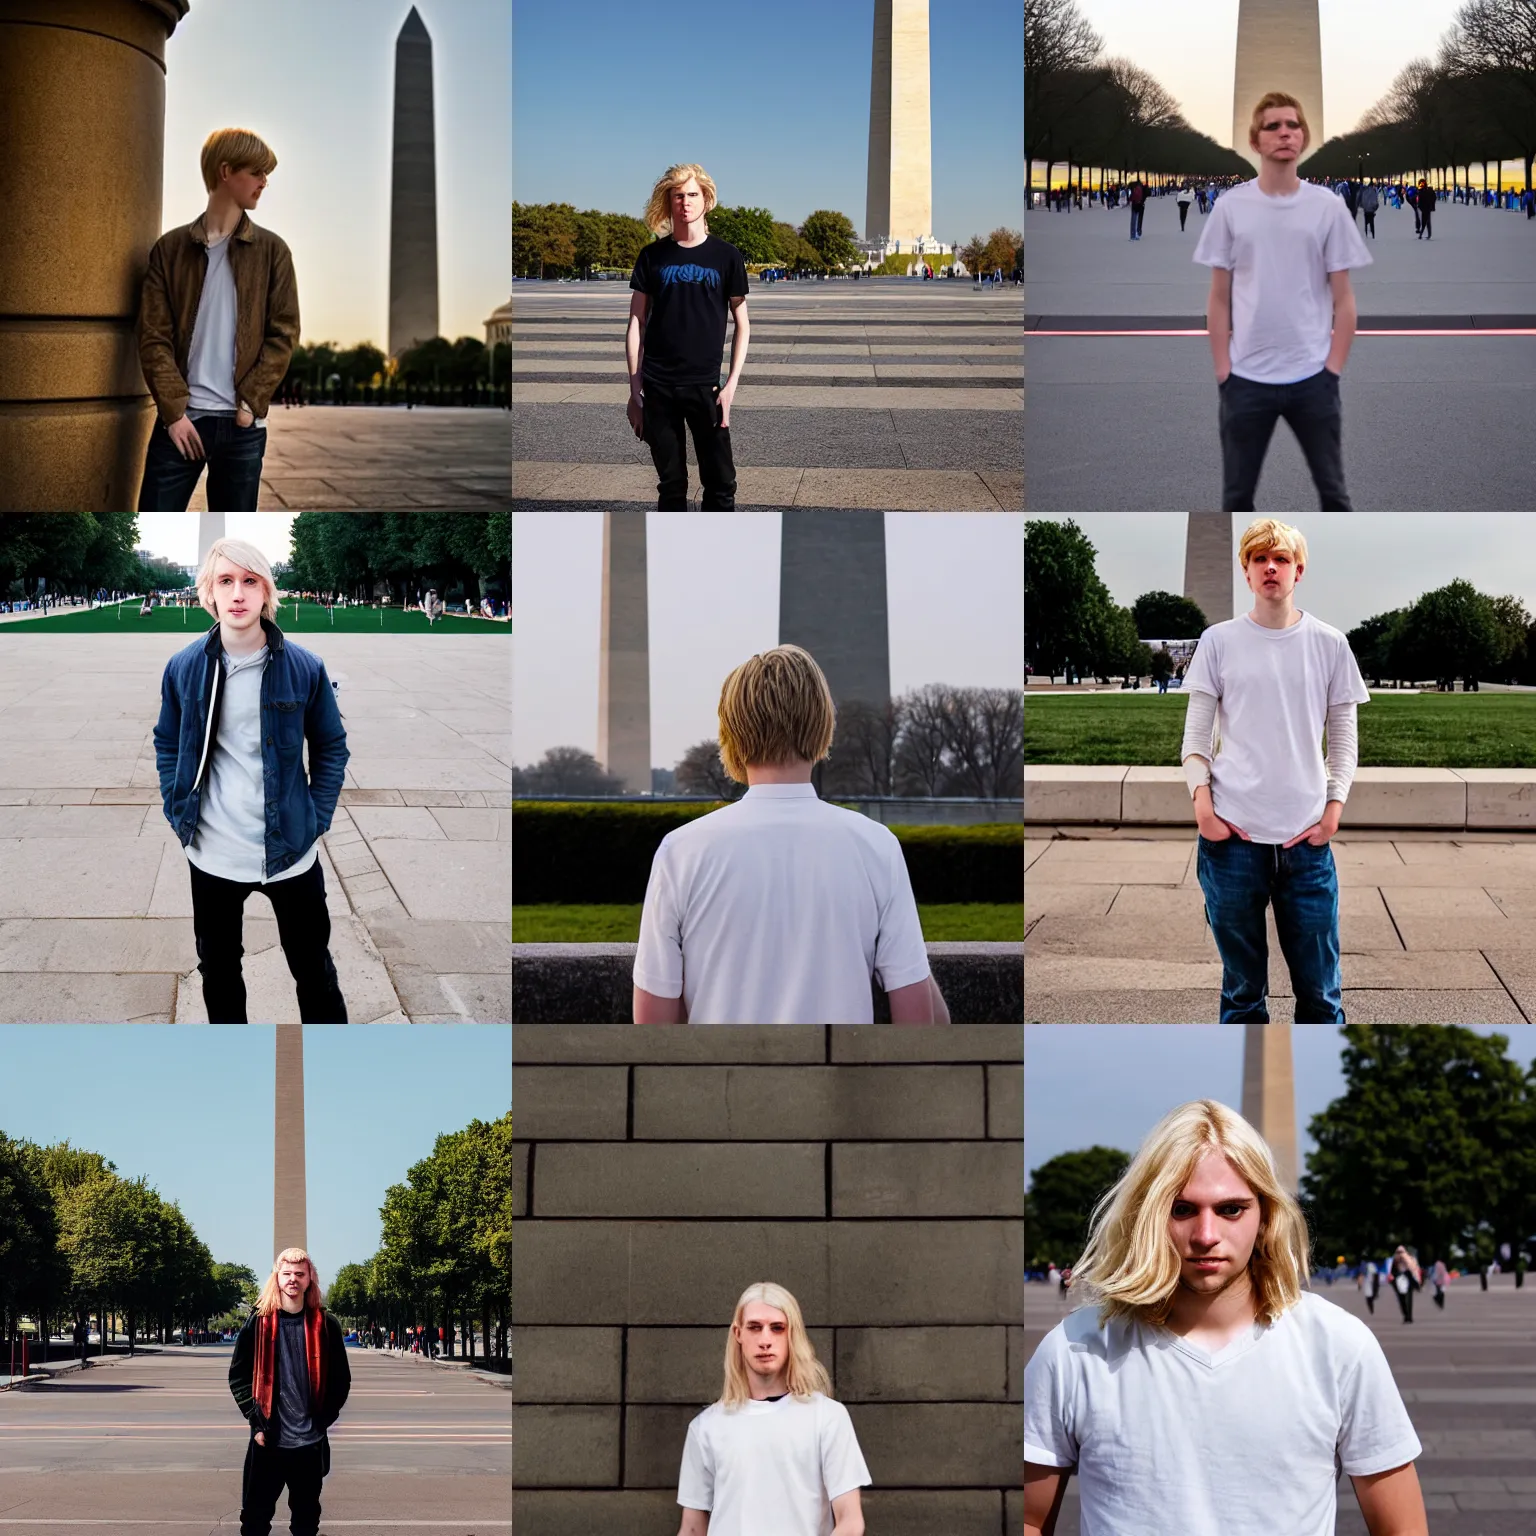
column 123, row 618
column 555, row 923
column 1410, row 730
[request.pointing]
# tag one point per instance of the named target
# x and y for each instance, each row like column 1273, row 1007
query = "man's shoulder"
column 1325, row 631
column 1316, row 1318
column 264, row 239
column 727, row 249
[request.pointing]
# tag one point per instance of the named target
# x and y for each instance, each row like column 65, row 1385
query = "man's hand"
column 188, row 444
column 261, row 1438
column 635, row 410
column 1325, row 829
column 1216, row 830
column 245, row 417
column 726, row 395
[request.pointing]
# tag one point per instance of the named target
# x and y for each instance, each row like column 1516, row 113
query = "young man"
column 217, row 325
column 236, row 708
column 780, row 908
column 1428, row 197
column 289, row 1376
column 1202, row 1390
column 1266, row 801
column 1281, row 312
column 683, row 285
column 776, row 1453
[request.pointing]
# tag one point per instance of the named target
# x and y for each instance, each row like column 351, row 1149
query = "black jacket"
column 338, row 1378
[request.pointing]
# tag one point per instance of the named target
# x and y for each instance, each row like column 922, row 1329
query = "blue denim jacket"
column 297, row 704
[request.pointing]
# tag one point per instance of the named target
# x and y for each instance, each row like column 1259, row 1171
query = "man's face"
column 1272, row 576
column 686, row 203
column 1280, row 136
column 1214, row 1224
column 763, row 1334
column 245, row 187
column 292, row 1279
column 237, row 594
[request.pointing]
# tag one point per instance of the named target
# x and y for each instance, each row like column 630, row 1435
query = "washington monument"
column 1279, row 48
column 900, row 201
column 413, row 194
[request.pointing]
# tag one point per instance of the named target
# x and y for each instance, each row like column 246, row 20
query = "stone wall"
column 877, row 1172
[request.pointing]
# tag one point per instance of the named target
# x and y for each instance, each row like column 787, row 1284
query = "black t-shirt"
column 690, row 289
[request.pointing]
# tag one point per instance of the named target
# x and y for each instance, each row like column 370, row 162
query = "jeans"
column 1240, row 880
column 1138, row 216
column 1247, row 416
column 303, row 928
column 267, row 1469
column 667, row 408
column 234, row 456
column 1370, row 225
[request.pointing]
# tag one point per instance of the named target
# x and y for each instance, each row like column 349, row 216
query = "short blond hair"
column 1267, row 533
column 773, row 708
column 240, row 150
column 658, row 212
column 1268, row 103
column 248, row 558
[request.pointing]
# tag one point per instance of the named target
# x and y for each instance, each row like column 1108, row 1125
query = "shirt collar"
column 781, row 792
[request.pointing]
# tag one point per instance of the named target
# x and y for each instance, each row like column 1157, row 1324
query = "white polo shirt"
column 779, row 909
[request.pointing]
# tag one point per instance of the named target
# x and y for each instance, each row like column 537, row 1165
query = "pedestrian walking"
column 1138, row 201
column 1185, row 195
column 1407, row 1278
column 1371, row 1276
column 1426, row 208
column 1370, row 201
column 1440, row 1277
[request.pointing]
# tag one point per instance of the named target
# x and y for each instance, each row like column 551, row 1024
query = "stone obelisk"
column 413, row 194
column 1208, row 562
column 1279, row 48
column 1269, row 1093
column 288, row 1212
column 900, row 199
column 624, row 660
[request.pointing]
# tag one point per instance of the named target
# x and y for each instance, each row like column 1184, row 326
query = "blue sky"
column 1109, row 1084
column 315, row 79
column 190, row 1109
column 772, row 99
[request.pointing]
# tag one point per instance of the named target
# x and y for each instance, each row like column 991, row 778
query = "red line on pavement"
column 1359, row 335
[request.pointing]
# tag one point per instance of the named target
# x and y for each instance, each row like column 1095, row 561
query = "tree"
column 1062, row 1194
column 750, row 230
column 1495, row 41
column 863, row 760
column 591, row 245
column 1060, row 45
column 974, row 254
column 1452, row 632
column 830, row 235
column 699, row 771
column 1002, row 245
column 1375, row 643
column 1167, row 616
column 1162, row 664
column 1061, row 590
column 566, row 771
column 32, row 1275
column 1513, row 623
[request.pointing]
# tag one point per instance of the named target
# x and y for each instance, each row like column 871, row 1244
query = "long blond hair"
column 803, row 1372
column 1130, row 1267
column 270, row 1300
column 658, row 211
column 249, row 558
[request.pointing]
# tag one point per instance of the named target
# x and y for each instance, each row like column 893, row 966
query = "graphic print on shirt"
column 688, row 272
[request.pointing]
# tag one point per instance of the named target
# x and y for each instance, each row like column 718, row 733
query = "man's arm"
column 634, row 356
column 1345, row 319
column 157, row 343
column 280, row 335
column 1391, row 1502
column 847, row 1516
column 651, row 1009
column 1218, row 320
column 920, row 1003
column 1044, row 1489
column 695, row 1523
column 167, row 737
column 739, row 337
column 328, row 751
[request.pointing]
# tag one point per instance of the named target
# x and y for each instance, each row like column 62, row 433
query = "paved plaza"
column 1468, row 1379
column 1432, row 422
column 381, row 459
column 95, row 896
column 895, row 394
column 155, row 1445
column 1434, row 927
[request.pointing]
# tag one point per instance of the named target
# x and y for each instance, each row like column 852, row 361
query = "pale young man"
column 780, row 908
column 1281, row 312
column 218, row 322
column 776, row 1453
column 1266, row 686
column 1201, row 1389
column 683, row 284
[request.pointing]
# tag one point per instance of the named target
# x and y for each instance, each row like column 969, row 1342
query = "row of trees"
column 1432, row 1144
column 933, row 741
column 76, row 1239
column 465, row 364
column 446, row 1255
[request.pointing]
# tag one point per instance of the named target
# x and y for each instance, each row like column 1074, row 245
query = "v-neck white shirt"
column 1171, row 1440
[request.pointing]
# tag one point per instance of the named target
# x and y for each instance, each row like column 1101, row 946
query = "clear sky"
column 316, row 80
column 1362, row 564
column 955, row 594
column 1109, row 1084
column 174, row 534
column 772, row 99
column 189, row 1108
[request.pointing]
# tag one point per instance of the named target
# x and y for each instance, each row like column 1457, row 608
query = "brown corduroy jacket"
column 266, row 330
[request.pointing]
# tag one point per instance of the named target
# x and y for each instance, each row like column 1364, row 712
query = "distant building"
column 499, row 327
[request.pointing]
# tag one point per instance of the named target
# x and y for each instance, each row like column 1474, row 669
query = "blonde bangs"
column 1267, row 533
column 248, row 558
column 240, row 150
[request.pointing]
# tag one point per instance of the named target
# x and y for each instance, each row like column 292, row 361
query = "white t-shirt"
column 771, row 1469
column 1171, row 1441
column 1280, row 251
column 779, row 909
column 1273, row 688
column 211, row 357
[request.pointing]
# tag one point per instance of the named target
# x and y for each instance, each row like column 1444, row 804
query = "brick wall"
column 876, row 1171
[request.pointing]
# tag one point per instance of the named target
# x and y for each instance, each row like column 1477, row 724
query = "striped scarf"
column 266, row 1358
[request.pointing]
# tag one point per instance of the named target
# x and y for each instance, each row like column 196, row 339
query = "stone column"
column 899, row 202
column 1269, row 1093
column 82, row 140
column 288, row 1204
column 413, row 194
column 1208, row 562
column 624, row 655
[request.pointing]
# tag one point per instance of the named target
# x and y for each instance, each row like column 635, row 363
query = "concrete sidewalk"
column 1434, row 929
column 95, row 897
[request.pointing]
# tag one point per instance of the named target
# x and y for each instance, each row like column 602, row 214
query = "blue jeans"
column 234, row 456
column 1247, row 416
column 1240, row 880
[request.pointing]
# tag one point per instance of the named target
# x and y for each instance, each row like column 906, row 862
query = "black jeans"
column 1183, row 214
column 1248, row 413
column 234, row 456
column 667, row 409
column 1427, row 219
column 1370, row 225
column 267, row 1470
column 303, row 927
